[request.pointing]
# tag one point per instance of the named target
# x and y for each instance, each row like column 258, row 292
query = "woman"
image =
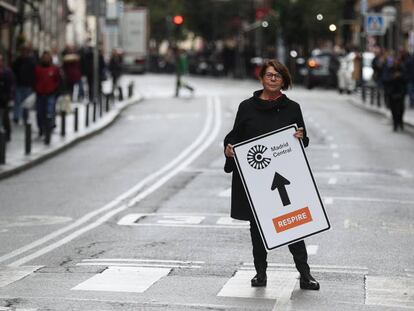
column 397, row 92
column 268, row 110
column 47, row 82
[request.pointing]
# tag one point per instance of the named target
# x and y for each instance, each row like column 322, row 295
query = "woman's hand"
column 229, row 152
column 299, row 133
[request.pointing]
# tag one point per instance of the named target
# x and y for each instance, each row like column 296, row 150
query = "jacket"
column 6, row 86
column 47, row 79
column 256, row 117
column 24, row 71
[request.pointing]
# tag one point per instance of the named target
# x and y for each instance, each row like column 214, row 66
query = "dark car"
column 321, row 69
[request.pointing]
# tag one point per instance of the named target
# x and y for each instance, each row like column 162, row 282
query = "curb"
column 71, row 142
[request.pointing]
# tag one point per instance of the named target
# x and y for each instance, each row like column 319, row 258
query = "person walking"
column 24, row 72
column 72, row 71
column 6, row 91
column 397, row 91
column 115, row 68
column 267, row 110
column 181, row 68
column 409, row 72
column 47, row 83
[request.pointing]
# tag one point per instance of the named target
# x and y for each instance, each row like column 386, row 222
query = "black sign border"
column 248, row 193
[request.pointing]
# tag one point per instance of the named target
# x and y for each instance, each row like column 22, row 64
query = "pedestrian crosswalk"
column 140, row 276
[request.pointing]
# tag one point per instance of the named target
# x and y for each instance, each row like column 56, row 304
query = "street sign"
column 375, row 24
column 280, row 187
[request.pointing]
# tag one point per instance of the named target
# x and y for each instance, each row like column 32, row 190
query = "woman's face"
column 272, row 81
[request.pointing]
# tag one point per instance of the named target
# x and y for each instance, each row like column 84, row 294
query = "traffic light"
column 178, row 20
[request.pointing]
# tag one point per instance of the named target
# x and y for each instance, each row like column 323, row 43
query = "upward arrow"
column 279, row 183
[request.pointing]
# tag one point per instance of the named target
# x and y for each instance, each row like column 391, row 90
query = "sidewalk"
column 356, row 99
column 17, row 161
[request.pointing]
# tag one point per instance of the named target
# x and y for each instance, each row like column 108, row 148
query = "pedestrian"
column 47, row 83
column 386, row 76
column 115, row 68
column 409, row 73
column 24, row 72
column 72, row 70
column 267, row 110
column 6, row 91
column 397, row 92
column 181, row 68
column 87, row 64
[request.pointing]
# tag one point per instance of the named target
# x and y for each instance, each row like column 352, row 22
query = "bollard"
column 363, row 94
column 25, row 115
column 372, row 94
column 94, row 111
column 2, row 147
column 63, row 123
column 120, row 94
column 87, row 115
column 107, row 97
column 48, row 130
column 27, row 138
column 76, row 119
column 100, row 107
column 378, row 97
column 130, row 90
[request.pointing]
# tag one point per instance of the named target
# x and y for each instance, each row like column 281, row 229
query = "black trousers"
column 397, row 111
column 298, row 250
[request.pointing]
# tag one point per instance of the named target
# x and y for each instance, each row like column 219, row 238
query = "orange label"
column 292, row 219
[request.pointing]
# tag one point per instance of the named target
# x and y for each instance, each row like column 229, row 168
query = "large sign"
column 280, row 187
column 375, row 24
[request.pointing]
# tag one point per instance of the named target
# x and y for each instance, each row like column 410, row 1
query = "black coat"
column 256, row 117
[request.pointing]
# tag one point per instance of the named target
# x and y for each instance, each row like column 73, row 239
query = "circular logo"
column 256, row 158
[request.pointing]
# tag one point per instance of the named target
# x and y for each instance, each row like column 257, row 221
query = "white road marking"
column 395, row 292
column 131, row 262
column 181, row 220
column 124, row 279
column 280, row 285
column 153, row 265
column 328, row 201
column 380, row 200
column 335, row 155
column 409, row 272
column 333, row 146
column 16, row 309
column 225, row 193
column 312, row 249
column 130, row 219
column 232, row 222
column 330, row 138
column 332, row 181
column 184, row 262
column 9, row 275
column 404, row 173
column 316, row 268
column 206, row 137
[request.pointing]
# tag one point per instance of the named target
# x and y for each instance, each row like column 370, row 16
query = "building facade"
column 399, row 19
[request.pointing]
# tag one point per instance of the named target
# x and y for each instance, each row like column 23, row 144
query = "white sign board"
column 280, row 187
column 375, row 24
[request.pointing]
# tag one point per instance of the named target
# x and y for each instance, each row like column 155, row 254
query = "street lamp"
column 319, row 17
column 332, row 27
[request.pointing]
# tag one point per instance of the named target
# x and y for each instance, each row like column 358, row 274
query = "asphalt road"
column 136, row 218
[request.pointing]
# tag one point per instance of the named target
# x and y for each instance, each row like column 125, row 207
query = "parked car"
column 321, row 69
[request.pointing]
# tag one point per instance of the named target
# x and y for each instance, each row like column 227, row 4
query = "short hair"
column 280, row 68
